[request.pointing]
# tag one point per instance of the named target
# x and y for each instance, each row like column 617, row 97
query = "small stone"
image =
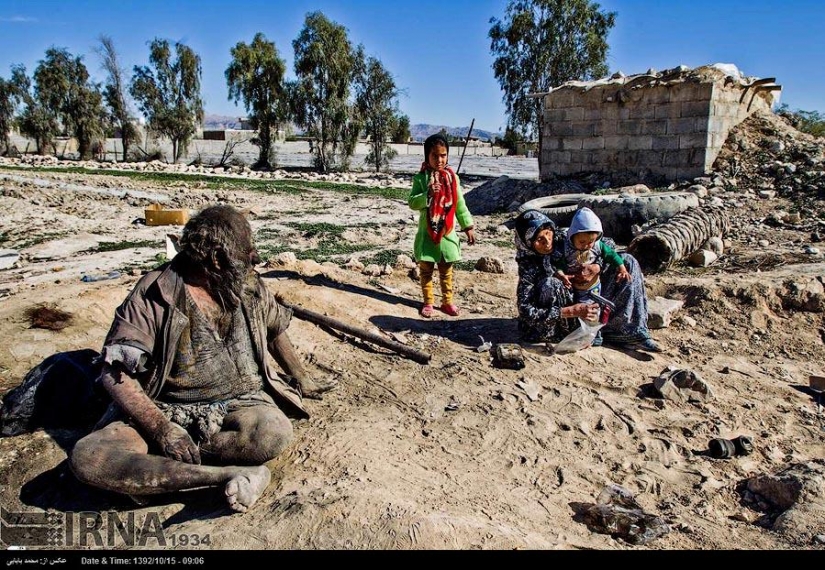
column 702, row 258
column 715, row 244
column 490, row 265
column 687, row 320
column 811, row 250
column 763, row 243
column 699, row 190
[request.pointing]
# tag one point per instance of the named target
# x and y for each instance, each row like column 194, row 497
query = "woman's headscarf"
column 528, row 225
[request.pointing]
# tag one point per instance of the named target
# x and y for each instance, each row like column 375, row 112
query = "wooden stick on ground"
column 318, row 319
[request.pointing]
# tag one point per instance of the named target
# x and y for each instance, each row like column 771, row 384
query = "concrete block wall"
column 670, row 130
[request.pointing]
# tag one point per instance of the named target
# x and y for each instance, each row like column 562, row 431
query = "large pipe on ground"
column 319, row 319
column 664, row 244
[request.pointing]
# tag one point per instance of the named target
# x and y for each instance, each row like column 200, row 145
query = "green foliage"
column 324, row 65
column 168, row 94
column 811, row 122
column 62, row 83
column 510, row 139
column 120, row 245
column 376, row 101
column 222, row 183
column 329, row 238
column 465, row 265
column 385, row 257
column 401, row 133
column 255, row 76
column 114, row 94
column 36, row 121
column 542, row 44
column 9, row 99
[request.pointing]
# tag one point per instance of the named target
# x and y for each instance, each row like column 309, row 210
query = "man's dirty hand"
column 176, row 444
column 314, row 390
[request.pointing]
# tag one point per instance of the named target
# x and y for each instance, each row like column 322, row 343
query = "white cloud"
column 18, row 19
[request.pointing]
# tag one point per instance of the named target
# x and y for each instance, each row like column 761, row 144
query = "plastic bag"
column 580, row 338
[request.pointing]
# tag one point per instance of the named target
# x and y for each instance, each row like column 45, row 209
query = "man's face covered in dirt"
column 219, row 241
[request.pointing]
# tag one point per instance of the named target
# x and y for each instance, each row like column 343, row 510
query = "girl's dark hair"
column 433, row 140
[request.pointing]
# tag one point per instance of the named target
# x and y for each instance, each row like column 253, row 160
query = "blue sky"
column 438, row 51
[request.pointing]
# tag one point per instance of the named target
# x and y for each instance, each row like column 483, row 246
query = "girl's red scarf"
column 442, row 196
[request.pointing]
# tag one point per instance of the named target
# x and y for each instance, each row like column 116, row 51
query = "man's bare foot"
column 246, row 487
column 314, row 390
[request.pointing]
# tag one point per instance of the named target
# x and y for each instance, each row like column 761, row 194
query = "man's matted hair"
column 216, row 227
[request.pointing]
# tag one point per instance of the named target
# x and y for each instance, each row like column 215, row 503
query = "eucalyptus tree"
column 168, row 93
column 255, row 76
column 114, row 94
column 63, row 85
column 542, row 44
column 376, row 101
column 401, row 132
column 9, row 100
column 36, row 121
column 324, row 64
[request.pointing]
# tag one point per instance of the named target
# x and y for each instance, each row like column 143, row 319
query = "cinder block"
column 572, row 143
column 694, row 108
column 657, row 95
column 554, row 115
column 666, row 111
column 693, row 140
column 628, row 158
column 560, row 157
column 655, row 127
column 561, row 98
column 617, row 142
column 676, row 158
column 640, row 142
column 650, row 159
column 593, row 143
column 583, row 129
column 606, row 128
column 574, row 114
column 630, row 127
column 594, row 114
column 564, row 129
column 579, row 158
column 681, row 126
column 670, row 142
column 642, row 111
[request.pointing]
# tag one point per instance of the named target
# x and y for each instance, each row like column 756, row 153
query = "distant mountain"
column 221, row 122
column 421, row 131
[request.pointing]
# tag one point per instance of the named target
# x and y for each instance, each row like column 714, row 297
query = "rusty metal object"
column 668, row 242
column 318, row 319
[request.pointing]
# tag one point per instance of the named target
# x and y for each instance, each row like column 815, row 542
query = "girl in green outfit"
column 436, row 194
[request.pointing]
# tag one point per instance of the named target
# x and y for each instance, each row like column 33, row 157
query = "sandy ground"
column 454, row 454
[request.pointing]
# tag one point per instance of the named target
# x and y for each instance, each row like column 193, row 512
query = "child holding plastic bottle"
column 436, row 194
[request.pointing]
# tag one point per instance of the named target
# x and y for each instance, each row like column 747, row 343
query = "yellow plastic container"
column 156, row 215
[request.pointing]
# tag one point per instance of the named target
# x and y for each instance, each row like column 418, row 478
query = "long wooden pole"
column 318, row 319
column 466, row 142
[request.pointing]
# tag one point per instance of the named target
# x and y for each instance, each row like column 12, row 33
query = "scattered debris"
column 508, row 355
column 682, row 385
column 617, row 513
column 485, row 345
column 720, row 448
column 530, row 388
